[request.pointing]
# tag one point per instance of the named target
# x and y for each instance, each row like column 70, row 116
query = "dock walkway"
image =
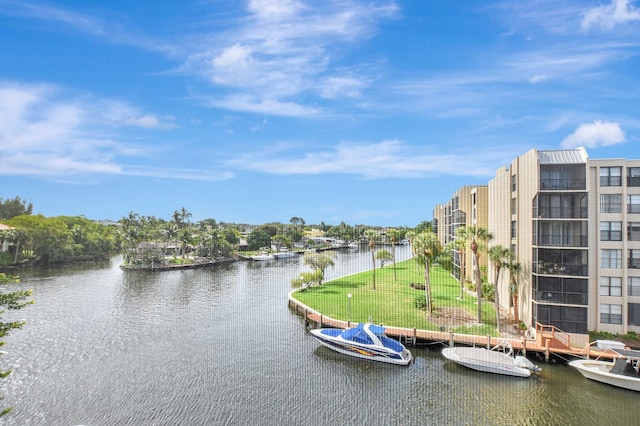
column 547, row 340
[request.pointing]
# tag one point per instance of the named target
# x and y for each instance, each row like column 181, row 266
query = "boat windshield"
column 357, row 334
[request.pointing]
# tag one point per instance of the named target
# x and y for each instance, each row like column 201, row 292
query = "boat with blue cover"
column 366, row 340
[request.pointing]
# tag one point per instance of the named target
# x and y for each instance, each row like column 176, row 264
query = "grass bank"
column 393, row 303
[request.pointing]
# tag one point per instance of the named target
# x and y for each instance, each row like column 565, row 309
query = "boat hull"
column 599, row 371
column 484, row 360
column 284, row 255
column 363, row 351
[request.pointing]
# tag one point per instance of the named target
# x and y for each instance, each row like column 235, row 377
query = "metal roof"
column 563, row 156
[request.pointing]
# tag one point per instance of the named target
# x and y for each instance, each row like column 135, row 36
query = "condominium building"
column 574, row 225
column 467, row 207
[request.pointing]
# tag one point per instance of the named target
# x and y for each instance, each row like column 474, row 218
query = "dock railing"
column 550, row 333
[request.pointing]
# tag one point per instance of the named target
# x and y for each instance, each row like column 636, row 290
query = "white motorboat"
column 366, row 341
column 498, row 360
column 262, row 256
column 622, row 372
column 352, row 245
column 284, row 253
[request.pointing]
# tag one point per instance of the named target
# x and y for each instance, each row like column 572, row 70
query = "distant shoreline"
column 194, row 265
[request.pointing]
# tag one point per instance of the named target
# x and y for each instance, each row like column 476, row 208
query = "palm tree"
column 371, row 234
column 459, row 245
column 393, row 235
column 498, row 255
column 514, row 268
column 474, row 234
column 426, row 245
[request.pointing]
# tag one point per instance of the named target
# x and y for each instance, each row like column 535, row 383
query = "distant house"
column 5, row 244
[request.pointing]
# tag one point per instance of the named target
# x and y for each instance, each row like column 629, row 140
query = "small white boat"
column 262, row 256
column 352, row 245
column 622, row 372
column 498, row 360
column 284, row 253
column 366, row 341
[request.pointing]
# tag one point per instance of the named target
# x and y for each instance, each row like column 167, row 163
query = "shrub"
column 421, row 302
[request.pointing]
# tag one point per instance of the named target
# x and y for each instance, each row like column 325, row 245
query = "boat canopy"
column 627, row 353
column 359, row 333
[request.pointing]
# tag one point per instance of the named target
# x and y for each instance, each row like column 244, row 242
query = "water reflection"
column 219, row 346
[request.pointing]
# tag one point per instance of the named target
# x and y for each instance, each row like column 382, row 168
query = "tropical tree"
column 393, row 235
column 514, row 268
column 372, row 244
column 297, row 226
column 473, row 234
column 12, row 300
column 498, row 256
column 426, row 246
column 258, row 238
column 14, row 207
column 459, row 245
column 384, row 256
column 307, row 279
column 319, row 262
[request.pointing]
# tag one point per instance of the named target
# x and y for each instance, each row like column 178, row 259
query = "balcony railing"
column 562, row 184
column 560, row 213
column 561, row 297
column 546, row 268
column 550, row 240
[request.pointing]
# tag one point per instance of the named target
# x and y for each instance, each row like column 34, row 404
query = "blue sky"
column 367, row 112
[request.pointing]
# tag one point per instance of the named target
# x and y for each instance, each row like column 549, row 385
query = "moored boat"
column 284, row 253
column 367, row 341
column 623, row 372
column 262, row 256
column 498, row 360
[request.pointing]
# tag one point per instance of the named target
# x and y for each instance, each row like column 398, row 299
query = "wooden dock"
column 547, row 341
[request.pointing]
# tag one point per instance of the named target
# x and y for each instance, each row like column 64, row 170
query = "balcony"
column 547, row 268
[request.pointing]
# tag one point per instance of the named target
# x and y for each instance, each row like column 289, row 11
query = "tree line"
column 38, row 240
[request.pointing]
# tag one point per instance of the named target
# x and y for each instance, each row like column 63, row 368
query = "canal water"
column 219, row 346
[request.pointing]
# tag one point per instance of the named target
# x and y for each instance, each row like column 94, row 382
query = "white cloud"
column 45, row 131
column 608, row 16
column 538, row 78
column 151, row 121
column 593, row 135
column 275, row 9
column 281, row 53
column 342, row 86
column 386, row 159
column 248, row 103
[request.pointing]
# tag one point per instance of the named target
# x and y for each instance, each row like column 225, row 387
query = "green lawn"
column 393, row 303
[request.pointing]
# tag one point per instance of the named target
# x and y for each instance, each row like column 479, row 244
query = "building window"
column 634, row 259
column 633, row 176
column 611, row 286
column 513, row 183
column 633, row 313
column 514, row 229
column 611, row 203
column 611, row 258
column 610, row 231
column 633, row 203
column 513, row 206
column 634, row 286
column 610, row 176
column 633, row 231
column 610, row 314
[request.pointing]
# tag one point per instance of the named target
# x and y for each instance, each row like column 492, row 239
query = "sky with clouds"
column 367, row 112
